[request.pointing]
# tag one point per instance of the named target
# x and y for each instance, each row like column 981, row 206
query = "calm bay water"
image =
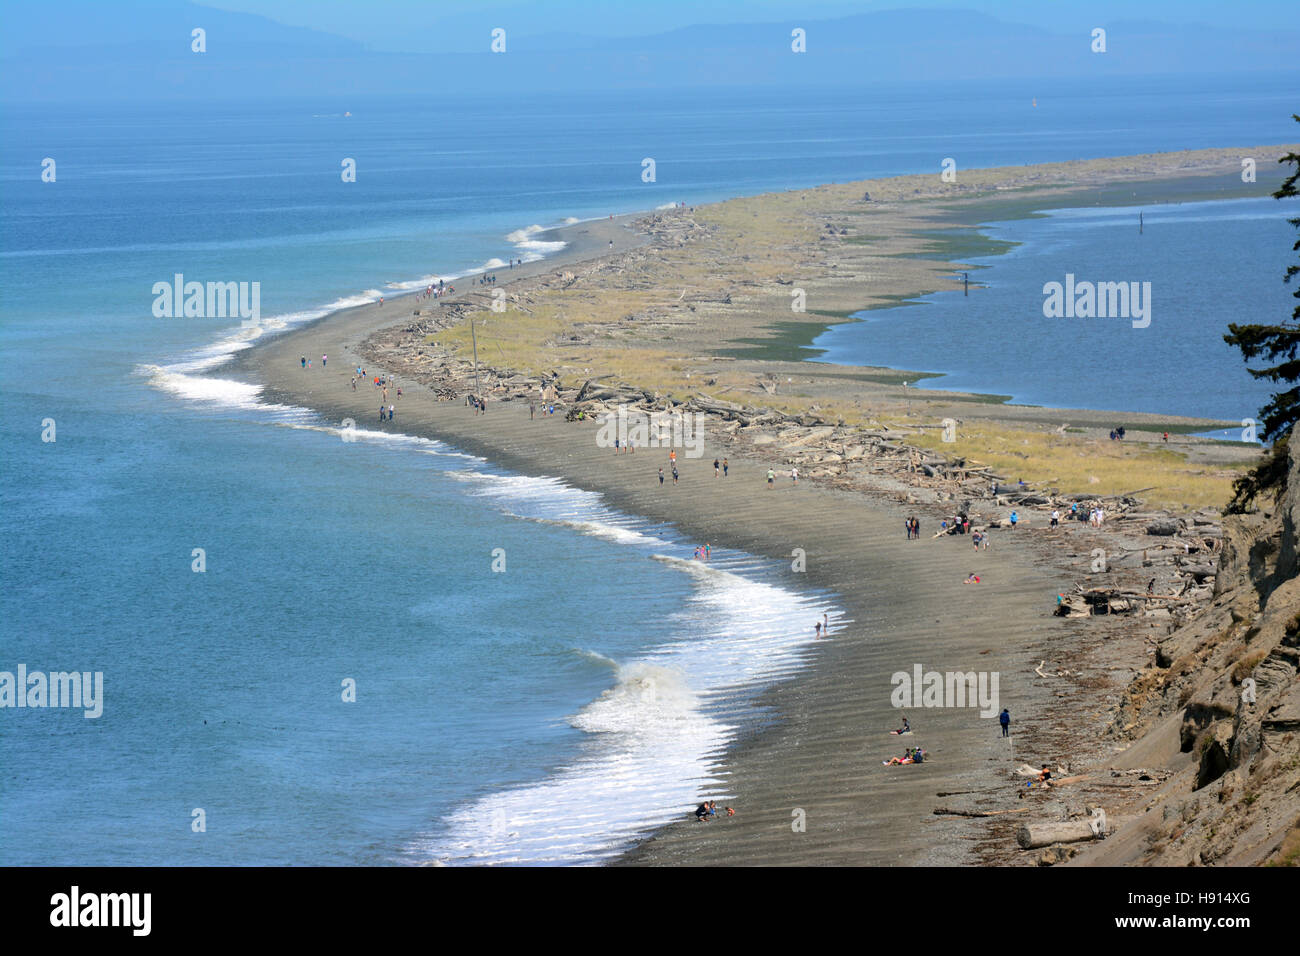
column 488, row 706
column 1206, row 263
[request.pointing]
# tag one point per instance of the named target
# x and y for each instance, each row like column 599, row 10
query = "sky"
column 413, row 25
column 125, row 50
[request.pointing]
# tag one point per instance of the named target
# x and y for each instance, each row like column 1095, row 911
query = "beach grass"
column 1080, row 465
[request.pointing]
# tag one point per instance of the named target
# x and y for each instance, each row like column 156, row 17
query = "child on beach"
column 725, row 465
column 661, row 477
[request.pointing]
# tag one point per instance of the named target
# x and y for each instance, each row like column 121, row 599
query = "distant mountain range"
column 87, row 51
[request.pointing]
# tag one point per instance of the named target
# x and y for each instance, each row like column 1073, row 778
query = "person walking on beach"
column 771, row 477
column 381, row 413
column 725, row 465
column 1014, row 518
column 716, row 466
column 354, row 383
column 1056, row 518
column 661, row 477
column 794, row 475
column 672, row 457
column 1004, row 719
column 324, row 360
column 674, row 474
column 304, row 362
column 826, row 624
column 391, row 409
column 819, row 629
column 532, row 411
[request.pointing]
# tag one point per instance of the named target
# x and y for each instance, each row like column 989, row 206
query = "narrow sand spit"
column 819, row 762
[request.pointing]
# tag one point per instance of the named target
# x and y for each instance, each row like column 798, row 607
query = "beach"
column 806, row 782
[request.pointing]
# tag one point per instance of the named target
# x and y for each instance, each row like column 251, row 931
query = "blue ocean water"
column 1206, row 263
column 550, row 713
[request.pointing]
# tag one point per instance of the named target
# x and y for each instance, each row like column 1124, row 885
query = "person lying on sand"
column 913, row 755
column 972, row 578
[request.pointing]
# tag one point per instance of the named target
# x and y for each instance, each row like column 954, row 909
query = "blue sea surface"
column 488, row 705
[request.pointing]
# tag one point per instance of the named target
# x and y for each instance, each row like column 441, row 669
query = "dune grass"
column 1076, row 464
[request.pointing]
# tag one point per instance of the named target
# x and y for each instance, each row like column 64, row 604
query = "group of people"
column 488, row 280
column 913, row 527
column 709, row 809
column 724, row 465
column 306, row 362
column 704, row 552
column 1117, row 434
column 956, row 525
column 436, row 291
column 477, row 403
column 913, row 755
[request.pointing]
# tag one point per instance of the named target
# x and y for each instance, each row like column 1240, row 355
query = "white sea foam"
column 424, row 282
column 200, row 388
column 523, row 235
column 539, row 248
column 652, row 740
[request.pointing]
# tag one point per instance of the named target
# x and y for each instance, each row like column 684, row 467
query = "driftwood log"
column 1034, row 835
